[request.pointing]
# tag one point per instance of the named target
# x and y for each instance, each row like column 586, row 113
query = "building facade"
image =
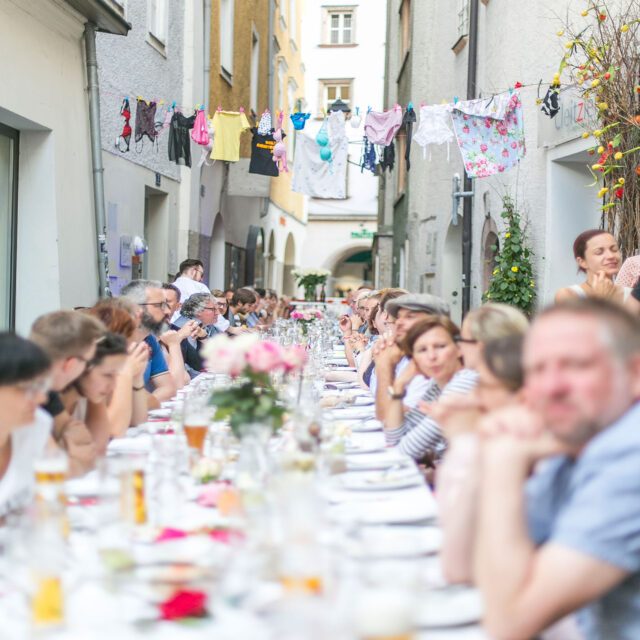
column 418, row 244
column 48, row 245
column 343, row 52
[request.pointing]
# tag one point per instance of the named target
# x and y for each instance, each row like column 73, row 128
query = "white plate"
column 396, row 542
column 355, row 449
column 160, row 413
column 352, row 413
column 386, row 512
column 452, row 607
column 380, row 481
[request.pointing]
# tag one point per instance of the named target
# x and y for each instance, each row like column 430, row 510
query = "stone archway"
column 350, row 268
column 452, row 271
column 490, row 248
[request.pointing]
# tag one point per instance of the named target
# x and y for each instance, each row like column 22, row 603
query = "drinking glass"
column 197, row 415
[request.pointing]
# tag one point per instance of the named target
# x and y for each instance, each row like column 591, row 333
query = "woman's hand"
column 602, row 286
column 345, row 325
column 188, row 330
column 405, row 377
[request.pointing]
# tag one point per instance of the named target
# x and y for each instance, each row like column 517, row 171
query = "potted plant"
column 310, row 279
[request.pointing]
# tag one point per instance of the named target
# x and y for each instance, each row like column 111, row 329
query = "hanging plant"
column 599, row 59
column 512, row 279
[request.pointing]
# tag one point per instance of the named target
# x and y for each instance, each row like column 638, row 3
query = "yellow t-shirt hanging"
column 228, row 125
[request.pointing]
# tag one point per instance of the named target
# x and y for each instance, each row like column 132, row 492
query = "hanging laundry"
column 145, row 121
column 280, row 149
column 200, row 131
column 159, row 120
column 262, row 154
column 356, row 119
column 299, row 120
column 179, row 139
column 316, row 177
column 388, row 159
column 434, row 126
column 265, row 127
column 125, row 135
column 368, row 160
column 228, row 125
column 381, row 127
column 408, row 121
column 490, row 144
column 551, row 102
column 205, row 152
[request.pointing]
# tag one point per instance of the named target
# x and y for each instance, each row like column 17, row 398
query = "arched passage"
column 452, row 271
column 216, row 255
column 288, row 281
column 349, row 270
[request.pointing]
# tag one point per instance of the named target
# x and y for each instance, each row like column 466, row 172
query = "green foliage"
column 253, row 400
column 512, row 279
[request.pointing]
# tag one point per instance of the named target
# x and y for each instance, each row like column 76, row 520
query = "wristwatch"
column 396, row 396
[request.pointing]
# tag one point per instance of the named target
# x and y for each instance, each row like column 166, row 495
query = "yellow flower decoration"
column 600, row 149
column 515, row 269
column 618, row 156
column 560, row 33
column 496, row 272
column 603, row 192
column 596, row 167
column 598, row 132
column 621, row 181
column 624, row 28
column 584, row 14
column 507, row 235
column 586, row 134
column 595, row 82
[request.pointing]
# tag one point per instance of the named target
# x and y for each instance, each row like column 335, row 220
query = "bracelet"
column 137, row 388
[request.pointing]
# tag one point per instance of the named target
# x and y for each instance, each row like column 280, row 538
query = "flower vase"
column 310, row 292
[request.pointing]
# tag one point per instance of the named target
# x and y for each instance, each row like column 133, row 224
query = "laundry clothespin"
column 241, row 109
column 410, row 106
column 219, row 109
column 173, row 106
column 456, row 99
column 518, row 85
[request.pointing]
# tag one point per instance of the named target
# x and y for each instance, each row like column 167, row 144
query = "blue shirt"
column 592, row 505
column 157, row 364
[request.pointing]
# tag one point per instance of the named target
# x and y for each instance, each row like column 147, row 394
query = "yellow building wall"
column 287, row 34
column 248, row 15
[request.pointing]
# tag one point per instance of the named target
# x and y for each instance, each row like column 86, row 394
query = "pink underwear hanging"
column 381, row 127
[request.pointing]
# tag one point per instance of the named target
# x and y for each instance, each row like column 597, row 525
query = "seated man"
column 149, row 295
column 567, row 538
column 201, row 311
column 390, row 361
column 242, row 304
column 69, row 339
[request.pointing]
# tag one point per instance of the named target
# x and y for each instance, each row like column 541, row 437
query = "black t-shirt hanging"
column 262, row 154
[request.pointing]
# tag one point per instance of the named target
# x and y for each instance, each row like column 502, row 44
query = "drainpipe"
column 467, row 209
column 96, row 158
column 272, row 12
column 206, row 66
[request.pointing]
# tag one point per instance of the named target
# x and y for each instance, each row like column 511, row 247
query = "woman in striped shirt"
column 433, row 347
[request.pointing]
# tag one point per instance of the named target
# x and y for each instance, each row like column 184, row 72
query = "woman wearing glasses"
column 24, row 427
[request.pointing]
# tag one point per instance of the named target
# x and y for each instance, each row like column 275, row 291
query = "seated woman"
column 87, row 398
column 128, row 405
column 598, row 256
column 25, row 428
column 432, row 345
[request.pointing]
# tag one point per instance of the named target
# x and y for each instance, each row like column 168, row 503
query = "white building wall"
column 364, row 63
column 43, row 95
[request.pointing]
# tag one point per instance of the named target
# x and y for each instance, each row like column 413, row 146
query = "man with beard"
column 566, row 538
column 150, row 297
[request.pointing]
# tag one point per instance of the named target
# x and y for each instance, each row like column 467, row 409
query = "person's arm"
column 127, row 406
column 386, row 358
column 171, row 341
column 99, row 426
column 395, row 412
column 365, row 361
column 526, row 589
column 164, row 387
column 564, row 294
column 75, row 438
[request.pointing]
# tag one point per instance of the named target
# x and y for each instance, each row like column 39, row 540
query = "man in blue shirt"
column 567, row 538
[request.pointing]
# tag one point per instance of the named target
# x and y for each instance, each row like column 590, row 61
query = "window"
column 8, row 214
column 405, row 28
column 333, row 90
column 292, row 19
column 226, row 38
column 255, row 70
column 463, row 18
column 340, row 27
column 158, row 20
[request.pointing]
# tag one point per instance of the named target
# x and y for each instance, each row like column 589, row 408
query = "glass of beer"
column 51, row 472
column 197, row 415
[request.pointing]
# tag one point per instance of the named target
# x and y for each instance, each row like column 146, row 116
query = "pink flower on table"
column 224, row 355
column 294, row 358
column 265, row 357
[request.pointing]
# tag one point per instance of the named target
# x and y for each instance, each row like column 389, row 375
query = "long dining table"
column 378, row 506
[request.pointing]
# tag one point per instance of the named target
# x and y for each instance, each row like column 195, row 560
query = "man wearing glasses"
column 189, row 280
column 150, row 297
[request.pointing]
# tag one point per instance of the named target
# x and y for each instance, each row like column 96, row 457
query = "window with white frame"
column 157, row 19
column 340, row 25
column 292, row 19
column 226, row 37
column 255, row 71
column 332, row 90
column 463, row 18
